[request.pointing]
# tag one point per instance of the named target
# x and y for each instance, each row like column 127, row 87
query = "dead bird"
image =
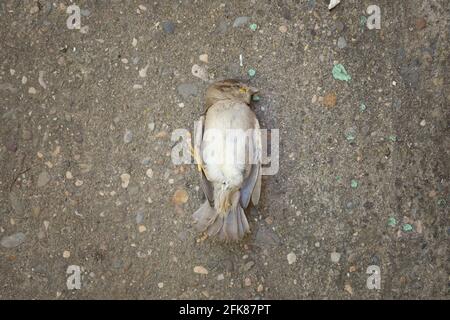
column 228, row 153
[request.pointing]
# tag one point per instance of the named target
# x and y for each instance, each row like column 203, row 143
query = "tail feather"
column 232, row 225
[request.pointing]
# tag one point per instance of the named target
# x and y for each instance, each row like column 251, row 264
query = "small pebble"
column 128, row 136
column 32, row 90
column 69, row 175
column 291, row 258
column 283, row 29
column 79, row 183
column 252, row 72
column 335, row 257
column 239, row 21
column 203, row 58
column 168, row 27
column 354, row 184
column 161, row 285
column 13, row 241
column 66, row 254
column 125, row 177
column 423, row 123
column 149, row 173
column 220, row 277
column 142, row 228
column 341, row 43
column 200, row 270
column 43, row 179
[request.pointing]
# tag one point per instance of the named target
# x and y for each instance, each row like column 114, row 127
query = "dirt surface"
column 81, row 111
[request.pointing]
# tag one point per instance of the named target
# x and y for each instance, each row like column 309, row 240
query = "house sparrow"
column 228, row 153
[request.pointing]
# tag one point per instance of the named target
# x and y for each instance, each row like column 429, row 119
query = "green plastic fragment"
column 393, row 138
column 354, row 184
column 252, row 72
column 339, row 73
column 256, row 98
column 338, row 178
column 392, row 222
column 362, row 21
column 253, row 26
column 407, row 227
column 362, row 107
column 350, row 135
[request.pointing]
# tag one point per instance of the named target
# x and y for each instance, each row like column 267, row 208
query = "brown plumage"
column 228, row 148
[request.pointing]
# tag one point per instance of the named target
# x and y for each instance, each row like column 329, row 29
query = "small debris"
column 252, row 72
column 149, row 173
column 341, row 43
column 134, row 42
column 253, row 26
column 128, row 136
column 69, row 175
column 200, row 270
column 339, row 73
column 407, row 227
column 168, row 27
column 330, row 100
column 392, row 222
column 247, row 282
column 256, row 98
column 423, row 123
column 260, row 288
column 421, row 23
column 125, row 177
column 335, row 257
column 199, row 72
column 393, row 138
column 283, row 29
column 203, row 58
column 220, row 277
column 354, row 184
column 143, row 72
column 239, row 21
column 32, row 90
column 362, row 107
column 78, row 183
column 333, row 4
column 350, row 135
column 160, row 285
column 66, row 254
column 180, row 197
column 349, row 289
column 41, row 80
column 43, row 179
column 291, row 258
column 142, row 228
column 13, row 241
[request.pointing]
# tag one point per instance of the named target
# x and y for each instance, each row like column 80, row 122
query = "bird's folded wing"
column 251, row 188
column 198, row 137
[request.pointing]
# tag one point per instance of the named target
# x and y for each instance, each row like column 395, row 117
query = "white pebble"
column 149, row 173
column 291, row 258
column 335, row 257
column 125, row 177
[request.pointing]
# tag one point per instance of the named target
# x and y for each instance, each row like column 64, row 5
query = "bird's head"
column 229, row 90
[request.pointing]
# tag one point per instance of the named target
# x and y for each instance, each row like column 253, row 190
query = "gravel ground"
column 87, row 179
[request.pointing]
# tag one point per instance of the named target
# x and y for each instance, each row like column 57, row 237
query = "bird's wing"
column 198, row 137
column 251, row 188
